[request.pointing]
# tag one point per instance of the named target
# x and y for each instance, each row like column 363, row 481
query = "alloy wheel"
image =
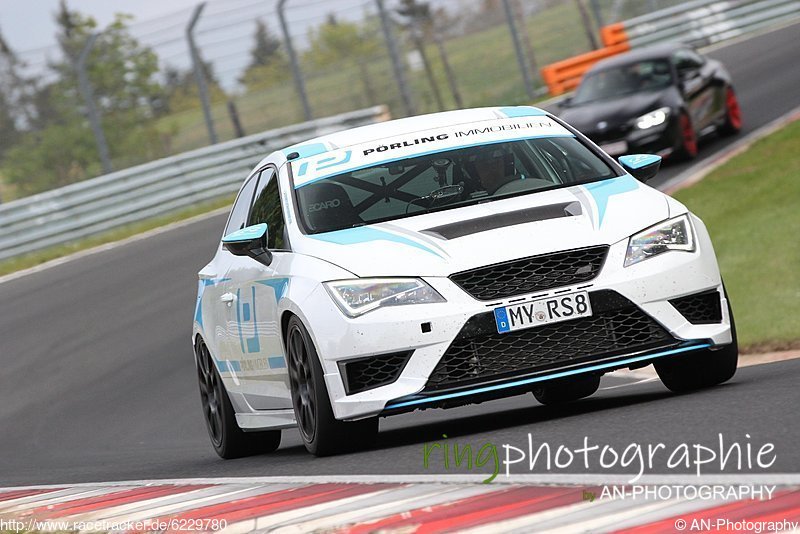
column 210, row 393
column 689, row 137
column 734, row 113
column 302, row 383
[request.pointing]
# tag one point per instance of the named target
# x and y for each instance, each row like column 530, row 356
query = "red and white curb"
column 392, row 504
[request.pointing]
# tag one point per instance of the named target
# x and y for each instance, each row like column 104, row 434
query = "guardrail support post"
column 523, row 62
column 296, row 73
column 199, row 75
column 397, row 64
column 91, row 109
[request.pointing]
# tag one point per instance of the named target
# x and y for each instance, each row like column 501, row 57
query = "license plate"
column 542, row 311
column 615, row 149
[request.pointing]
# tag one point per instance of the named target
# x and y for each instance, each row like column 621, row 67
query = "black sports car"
column 658, row 100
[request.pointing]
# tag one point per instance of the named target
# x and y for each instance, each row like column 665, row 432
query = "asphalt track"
column 97, row 380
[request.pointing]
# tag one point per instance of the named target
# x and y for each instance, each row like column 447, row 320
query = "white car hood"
column 449, row 241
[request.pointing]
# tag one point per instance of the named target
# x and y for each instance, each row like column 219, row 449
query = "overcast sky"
column 28, row 24
column 224, row 32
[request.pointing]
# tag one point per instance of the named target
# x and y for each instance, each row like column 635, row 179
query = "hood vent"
column 501, row 220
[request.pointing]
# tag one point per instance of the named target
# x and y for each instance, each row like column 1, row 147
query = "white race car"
column 442, row 260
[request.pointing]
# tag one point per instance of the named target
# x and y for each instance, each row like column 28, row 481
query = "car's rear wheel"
column 228, row 440
column 733, row 114
column 321, row 432
column 687, row 148
column 701, row 369
column 566, row 390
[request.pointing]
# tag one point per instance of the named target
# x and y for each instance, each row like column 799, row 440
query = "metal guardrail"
column 704, row 22
column 97, row 205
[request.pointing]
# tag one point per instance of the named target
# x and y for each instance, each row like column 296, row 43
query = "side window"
column 241, row 207
column 267, row 209
column 687, row 60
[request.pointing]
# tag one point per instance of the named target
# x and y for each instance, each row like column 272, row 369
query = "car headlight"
column 357, row 297
column 654, row 118
column 674, row 234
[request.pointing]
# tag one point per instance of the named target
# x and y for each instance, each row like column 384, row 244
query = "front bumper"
column 419, row 336
column 660, row 140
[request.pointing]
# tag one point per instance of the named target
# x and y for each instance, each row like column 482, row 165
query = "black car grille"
column 532, row 274
column 361, row 374
column 700, row 308
column 611, row 134
column 617, row 326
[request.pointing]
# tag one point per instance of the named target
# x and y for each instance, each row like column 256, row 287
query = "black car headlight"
column 654, row 118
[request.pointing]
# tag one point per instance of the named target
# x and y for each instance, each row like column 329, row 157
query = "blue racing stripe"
column 414, row 402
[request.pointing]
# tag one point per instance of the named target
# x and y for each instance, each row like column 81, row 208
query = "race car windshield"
column 446, row 180
column 614, row 82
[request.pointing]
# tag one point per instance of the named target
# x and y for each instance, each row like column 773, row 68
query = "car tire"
column 229, row 441
column 701, row 369
column 687, row 138
column 562, row 391
column 733, row 115
column 321, row 432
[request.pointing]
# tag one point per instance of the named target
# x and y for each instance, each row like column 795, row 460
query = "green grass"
column 36, row 258
column 751, row 206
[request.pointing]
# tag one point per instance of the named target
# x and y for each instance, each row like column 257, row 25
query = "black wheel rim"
column 301, row 382
column 210, row 393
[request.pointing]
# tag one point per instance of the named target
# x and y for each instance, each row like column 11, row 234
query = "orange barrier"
column 565, row 75
column 613, row 34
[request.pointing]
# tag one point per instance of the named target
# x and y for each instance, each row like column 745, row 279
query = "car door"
column 259, row 366
column 696, row 80
column 217, row 298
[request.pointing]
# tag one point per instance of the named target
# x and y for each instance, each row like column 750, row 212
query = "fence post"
column 448, row 71
column 587, row 25
column 397, row 64
column 523, row 62
column 526, row 41
column 199, row 75
column 296, row 73
column 598, row 14
column 88, row 97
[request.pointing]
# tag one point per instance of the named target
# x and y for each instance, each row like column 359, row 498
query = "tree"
column 9, row 133
column 268, row 64
column 180, row 92
column 336, row 41
column 419, row 22
column 59, row 148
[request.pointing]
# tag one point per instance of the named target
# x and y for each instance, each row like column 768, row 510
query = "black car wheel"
column 228, row 440
column 733, row 114
column 566, row 390
column 687, row 148
column 322, row 433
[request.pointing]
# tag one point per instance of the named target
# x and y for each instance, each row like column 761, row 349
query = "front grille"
column 617, row 326
column 532, row 274
column 700, row 308
column 609, row 135
column 361, row 374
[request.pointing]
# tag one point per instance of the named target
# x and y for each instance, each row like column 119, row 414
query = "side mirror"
column 565, row 102
column 250, row 241
column 642, row 166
